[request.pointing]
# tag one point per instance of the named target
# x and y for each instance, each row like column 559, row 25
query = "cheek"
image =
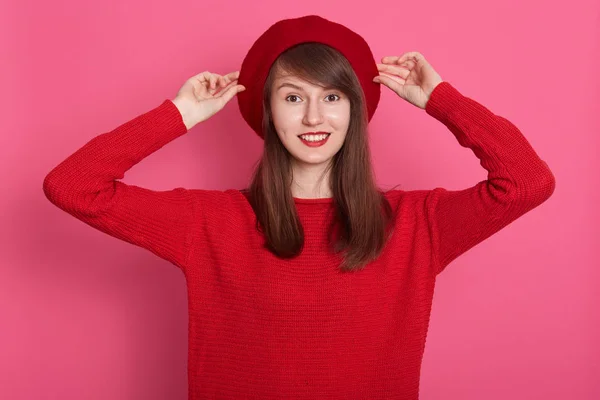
column 339, row 117
column 285, row 118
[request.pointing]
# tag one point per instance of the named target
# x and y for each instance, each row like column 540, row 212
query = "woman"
column 312, row 283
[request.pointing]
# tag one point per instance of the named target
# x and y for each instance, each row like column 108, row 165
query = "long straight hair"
column 363, row 214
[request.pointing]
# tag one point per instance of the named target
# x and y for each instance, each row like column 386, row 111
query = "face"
column 299, row 107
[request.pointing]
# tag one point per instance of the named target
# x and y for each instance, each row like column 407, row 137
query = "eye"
column 292, row 95
column 334, row 95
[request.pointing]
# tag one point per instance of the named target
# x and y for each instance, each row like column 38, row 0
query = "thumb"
column 228, row 94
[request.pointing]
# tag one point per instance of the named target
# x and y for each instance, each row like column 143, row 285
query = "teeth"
column 313, row 138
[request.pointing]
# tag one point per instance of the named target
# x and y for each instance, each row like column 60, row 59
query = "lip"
column 315, row 144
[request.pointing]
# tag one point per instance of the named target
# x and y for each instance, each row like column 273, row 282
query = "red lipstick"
column 314, row 143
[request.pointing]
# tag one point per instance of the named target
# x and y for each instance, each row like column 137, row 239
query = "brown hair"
column 363, row 215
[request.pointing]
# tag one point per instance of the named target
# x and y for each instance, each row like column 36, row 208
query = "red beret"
column 288, row 33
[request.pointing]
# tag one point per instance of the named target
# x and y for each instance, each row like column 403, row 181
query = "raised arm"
column 86, row 184
column 518, row 180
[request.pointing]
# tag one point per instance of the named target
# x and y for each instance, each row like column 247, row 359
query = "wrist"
column 184, row 110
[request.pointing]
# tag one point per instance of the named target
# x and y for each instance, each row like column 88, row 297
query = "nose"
column 312, row 114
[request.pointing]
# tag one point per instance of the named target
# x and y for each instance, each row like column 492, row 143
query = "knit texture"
column 265, row 328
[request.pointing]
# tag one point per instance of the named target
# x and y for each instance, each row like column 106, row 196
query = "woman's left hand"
column 410, row 76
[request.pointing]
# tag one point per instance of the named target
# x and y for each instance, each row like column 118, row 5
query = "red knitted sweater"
column 265, row 328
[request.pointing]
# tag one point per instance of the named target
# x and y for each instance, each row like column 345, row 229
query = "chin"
column 315, row 160
column 314, row 156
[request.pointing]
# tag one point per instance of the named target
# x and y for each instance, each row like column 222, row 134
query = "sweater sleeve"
column 86, row 185
column 517, row 181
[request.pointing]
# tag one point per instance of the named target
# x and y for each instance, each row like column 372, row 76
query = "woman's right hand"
column 205, row 94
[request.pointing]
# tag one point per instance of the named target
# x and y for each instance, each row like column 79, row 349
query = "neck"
column 310, row 181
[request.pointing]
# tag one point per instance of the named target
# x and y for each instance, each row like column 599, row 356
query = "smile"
column 314, row 140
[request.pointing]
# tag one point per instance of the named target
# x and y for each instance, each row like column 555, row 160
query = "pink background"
column 85, row 316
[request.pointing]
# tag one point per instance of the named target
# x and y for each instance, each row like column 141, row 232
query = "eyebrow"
column 289, row 84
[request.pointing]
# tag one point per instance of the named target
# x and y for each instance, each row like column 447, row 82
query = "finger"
column 233, row 75
column 213, row 82
column 390, row 66
column 202, row 92
column 231, row 92
column 395, row 78
column 389, row 59
column 202, row 77
column 411, row 58
column 408, row 64
column 410, row 55
column 405, row 60
column 400, row 70
column 223, row 88
column 220, row 82
column 390, row 83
